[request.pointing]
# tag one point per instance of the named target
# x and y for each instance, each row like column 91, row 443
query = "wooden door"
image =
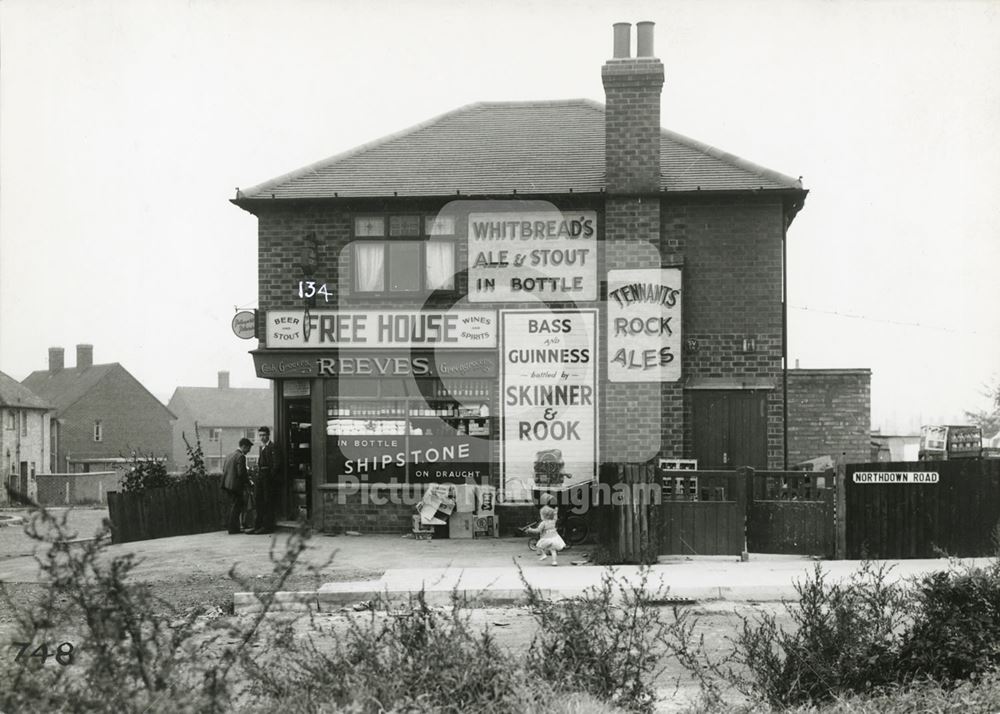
column 729, row 428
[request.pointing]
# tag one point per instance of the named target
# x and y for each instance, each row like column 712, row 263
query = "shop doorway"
column 729, row 428
column 297, row 497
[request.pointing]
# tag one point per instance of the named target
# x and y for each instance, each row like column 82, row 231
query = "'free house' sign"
column 293, row 329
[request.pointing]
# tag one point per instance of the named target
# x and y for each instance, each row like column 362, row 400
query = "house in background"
column 103, row 414
column 223, row 416
column 24, row 437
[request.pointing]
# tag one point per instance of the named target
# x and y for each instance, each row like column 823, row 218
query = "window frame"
column 214, row 431
column 422, row 237
column 98, row 431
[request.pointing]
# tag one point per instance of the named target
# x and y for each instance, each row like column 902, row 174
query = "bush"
column 956, row 627
column 845, row 640
column 607, row 642
column 145, row 472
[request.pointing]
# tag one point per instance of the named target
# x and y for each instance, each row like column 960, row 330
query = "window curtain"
column 440, row 265
column 369, row 267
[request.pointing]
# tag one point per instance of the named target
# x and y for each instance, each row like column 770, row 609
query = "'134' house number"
column 309, row 289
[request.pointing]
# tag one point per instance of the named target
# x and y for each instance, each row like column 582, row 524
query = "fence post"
column 840, row 512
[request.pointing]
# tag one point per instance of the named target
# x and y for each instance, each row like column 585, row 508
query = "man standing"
column 234, row 482
column 266, row 492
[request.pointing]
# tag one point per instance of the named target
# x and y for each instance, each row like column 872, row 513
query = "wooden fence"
column 182, row 509
column 957, row 514
column 717, row 512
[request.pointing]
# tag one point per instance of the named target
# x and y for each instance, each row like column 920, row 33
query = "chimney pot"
column 223, row 380
column 84, row 356
column 56, row 359
column 623, row 39
column 644, row 39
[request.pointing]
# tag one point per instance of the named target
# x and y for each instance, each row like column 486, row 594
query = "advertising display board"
column 549, row 255
column 548, row 400
column 451, row 329
column 644, row 325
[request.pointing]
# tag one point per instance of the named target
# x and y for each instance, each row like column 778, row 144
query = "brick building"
column 24, row 437
column 222, row 415
column 829, row 414
column 102, row 413
column 516, row 292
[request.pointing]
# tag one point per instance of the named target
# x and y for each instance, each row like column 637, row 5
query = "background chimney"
column 632, row 87
column 84, row 356
column 56, row 359
column 623, row 38
column 644, row 39
column 223, row 380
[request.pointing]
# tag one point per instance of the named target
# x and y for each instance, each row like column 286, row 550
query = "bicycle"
column 573, row 529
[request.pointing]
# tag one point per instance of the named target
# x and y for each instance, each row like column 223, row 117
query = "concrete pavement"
column 764, row 578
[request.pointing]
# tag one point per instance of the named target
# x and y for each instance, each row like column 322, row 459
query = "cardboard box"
column 486, row 501
column 437, row 505
column 465, row 498
column 486, row 527
column 460, row 525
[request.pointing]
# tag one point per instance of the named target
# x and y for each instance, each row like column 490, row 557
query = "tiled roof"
column 15, row 394
column 230, row 406
column 497, row 148
column 67, row 385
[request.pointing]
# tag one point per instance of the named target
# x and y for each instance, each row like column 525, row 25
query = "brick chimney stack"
column 57, row 359
column 223, row 380
column 632, row 87
column 84, row 356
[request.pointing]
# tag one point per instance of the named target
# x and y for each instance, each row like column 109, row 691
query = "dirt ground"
column 189, row 572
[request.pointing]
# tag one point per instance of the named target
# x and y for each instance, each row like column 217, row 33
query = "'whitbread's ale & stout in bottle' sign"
column 644, row 325
column 547, row 255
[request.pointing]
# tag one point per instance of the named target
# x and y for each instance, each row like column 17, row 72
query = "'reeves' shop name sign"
column 458, row 329
column 515, row 257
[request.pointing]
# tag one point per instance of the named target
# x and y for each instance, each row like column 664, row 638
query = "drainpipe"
column 784, row 336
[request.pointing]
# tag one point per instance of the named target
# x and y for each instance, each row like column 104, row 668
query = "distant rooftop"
column 226, row 407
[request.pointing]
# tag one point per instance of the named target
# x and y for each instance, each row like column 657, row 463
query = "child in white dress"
column 549, row 540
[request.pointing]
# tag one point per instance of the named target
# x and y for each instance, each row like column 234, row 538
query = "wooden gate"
column 791, row 512
column 702, row 513
column 913, row 517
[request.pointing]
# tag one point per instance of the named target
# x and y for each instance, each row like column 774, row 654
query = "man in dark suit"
column 268, row 481
column 234, row 482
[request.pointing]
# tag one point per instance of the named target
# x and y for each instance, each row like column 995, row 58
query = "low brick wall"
column 76, row 489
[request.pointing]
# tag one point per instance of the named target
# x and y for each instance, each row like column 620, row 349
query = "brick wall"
column 632, row 124
column 77, row 489
column 132, row 419
column 732, row 255
column 829, row 414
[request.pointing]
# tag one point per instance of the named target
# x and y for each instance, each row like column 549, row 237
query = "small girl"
column 549, row 540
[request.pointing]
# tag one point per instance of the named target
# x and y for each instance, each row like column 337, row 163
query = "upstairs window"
column 98, row 430
column 423, row 263
column 9, row 419
column 214, row 434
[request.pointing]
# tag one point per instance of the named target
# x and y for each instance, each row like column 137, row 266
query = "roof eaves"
column 263, row 188
column 732, row 159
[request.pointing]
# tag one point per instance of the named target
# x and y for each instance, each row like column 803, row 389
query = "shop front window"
column 395, row 430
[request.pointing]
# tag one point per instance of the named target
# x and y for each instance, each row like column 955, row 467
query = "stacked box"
column 486, row 527
column 460, row 525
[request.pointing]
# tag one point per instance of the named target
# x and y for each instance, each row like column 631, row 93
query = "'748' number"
column 63, row 653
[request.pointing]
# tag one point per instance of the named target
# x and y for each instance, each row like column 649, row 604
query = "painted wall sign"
column 644, row 325
column 548, row 399
column 515, row 257
column 245, row 324
column 470, row 365
column 388, row 458
column 455, row 329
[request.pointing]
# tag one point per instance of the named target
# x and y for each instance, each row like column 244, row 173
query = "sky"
column 127, row 125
